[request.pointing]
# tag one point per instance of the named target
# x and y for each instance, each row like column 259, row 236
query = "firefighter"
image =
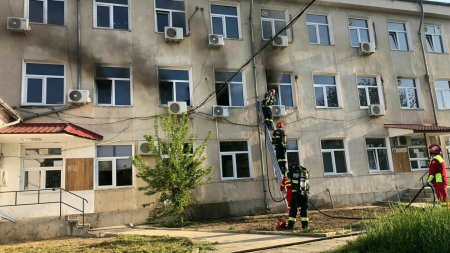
column 437, row 174
column 280, row 141
column 269, row 100
column 300, row 190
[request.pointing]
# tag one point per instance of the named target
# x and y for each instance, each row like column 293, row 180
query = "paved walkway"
column 233, row 242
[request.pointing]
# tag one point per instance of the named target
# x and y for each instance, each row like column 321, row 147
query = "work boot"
column 290, row 225
column 305, row 225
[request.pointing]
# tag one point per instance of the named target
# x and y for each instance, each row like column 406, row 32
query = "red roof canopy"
column 418, row 128
column 51, row 128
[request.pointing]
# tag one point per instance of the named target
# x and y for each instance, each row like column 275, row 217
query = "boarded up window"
column 79, row 174
column 401, row 160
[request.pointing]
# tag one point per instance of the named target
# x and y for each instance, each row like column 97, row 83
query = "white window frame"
column 169, row 11
column 244, row 95
column 294, row 151
column 408, row 90
column 111, row 14
column 272, row 22
column 278, row 95
column 173, row 81
column 379, row 88
column 222, row 16
column 324, row 86
column 316, row 25
column 347, row 164
column 113, row 171
column 440, row 93
column 45, row 12
column 42, row 169
column 233, row 154
column 44, row 83
column 426, row 159
column 396, row 36
column 113, row 87
column 434, row 40
column 389, row 154
column 357, row 28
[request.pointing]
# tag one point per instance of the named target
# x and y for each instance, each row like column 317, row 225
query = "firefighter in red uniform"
column 269, row 100
column 437, row 174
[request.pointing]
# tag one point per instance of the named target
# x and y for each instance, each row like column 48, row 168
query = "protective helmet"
column 280, row 125
column 273, row 91
column 435, row 149
column 281, row 224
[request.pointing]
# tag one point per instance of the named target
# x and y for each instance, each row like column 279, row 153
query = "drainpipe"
column 78, row 46
column 427, row 69
column 257, row 105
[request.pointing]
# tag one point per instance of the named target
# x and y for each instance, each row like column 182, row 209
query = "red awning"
column 51, row 128
column 418, row 128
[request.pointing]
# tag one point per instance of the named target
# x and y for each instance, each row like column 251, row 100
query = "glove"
column 426, row 184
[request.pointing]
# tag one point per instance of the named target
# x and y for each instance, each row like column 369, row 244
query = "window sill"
column 101, row 188
column 329, row 45
column 113, row 29
column 412, row 109
column 327, row 108
column 402, row 51
column 124, row 106
column 247, row 179
column 436, row 53
column 45, row 24
column 338, row 175
column 39, row 106
column 381, row 172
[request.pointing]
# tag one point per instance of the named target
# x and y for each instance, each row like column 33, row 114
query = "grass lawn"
column 122, row 243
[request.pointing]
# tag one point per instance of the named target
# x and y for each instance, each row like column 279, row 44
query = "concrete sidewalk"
column 226, row 241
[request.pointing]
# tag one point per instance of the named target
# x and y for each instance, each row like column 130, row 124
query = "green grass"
column 122, row 243
column 406, row 230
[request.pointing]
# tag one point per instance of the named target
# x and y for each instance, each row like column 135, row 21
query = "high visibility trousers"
column 281, row 158
column 298, row 201
column 441, row 191
column 267, row 112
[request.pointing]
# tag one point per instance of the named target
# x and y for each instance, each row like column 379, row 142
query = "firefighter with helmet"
column 269, row 100
column 299, row 176
column 280, row 141
column 437, row 174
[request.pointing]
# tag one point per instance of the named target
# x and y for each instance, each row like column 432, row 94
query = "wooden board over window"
column 79, row 174
column 400, row 158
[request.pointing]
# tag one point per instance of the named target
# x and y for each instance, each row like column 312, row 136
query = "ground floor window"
column 377, row 154
column 114, row 166
column 42, row 168
column 333, row 154
column 418, row 154
column 292, row 153
column 234, row 159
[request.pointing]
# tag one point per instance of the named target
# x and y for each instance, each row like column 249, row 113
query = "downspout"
column 427, row 69
column 78, row 46
column 257, row 104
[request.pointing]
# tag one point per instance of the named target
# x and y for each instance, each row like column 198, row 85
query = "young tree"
column 177, row 170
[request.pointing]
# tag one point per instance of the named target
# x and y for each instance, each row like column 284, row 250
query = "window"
column 325, row 91
column 333, row 155
column 368, row 91
column 113, row 86
column 272, row 22
column 443, row 93
column 418, row 154
column 397, row 36
column 318, row 29
column 43, row 84
column 42, row 168
column 408, row 93
column 46, row 11
column 434, row 39
column 377, row 154
column 174, row 86
column 114, row 165
column 234, row 159
column 111, row 14
column 359, row 31
column 233, row 93
column 225, row 21
column 292, row 153
column 283, row 85
column 170, row 13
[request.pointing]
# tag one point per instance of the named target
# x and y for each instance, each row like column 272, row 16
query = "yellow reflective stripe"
column 282, row 160
column 439, row 158
column 304, row 219
column 287, row 184
column 292, row 219
column 430, row 178
column 294, row 190
column 439, row 178
column 295, row 181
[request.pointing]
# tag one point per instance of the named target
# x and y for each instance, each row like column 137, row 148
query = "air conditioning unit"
column 366, row 48
column 18, row 24
column 173, row 33
column 280, row 41
column 176, row 107
column 79, row 96
column 220, row 111
column 278, row 110
column 401, row 141
column 143, row 148
column 215, row 40
column 376, row 110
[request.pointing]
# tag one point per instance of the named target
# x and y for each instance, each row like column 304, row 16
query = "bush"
column 406, row 230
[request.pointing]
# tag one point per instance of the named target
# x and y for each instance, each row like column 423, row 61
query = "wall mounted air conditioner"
column 176, row 107
column 220, row 111
column 280, row 41
column 79, row 96
column 173, row 33
column 366, row 48
column 18, row 24
column 143, row 148
column 278, row 110
column 401, row 141
column 376, row 110
column 215, row 40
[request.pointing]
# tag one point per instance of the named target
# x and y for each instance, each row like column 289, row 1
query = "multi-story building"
column 365, row 86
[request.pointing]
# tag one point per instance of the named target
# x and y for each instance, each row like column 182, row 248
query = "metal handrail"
column 60, row 202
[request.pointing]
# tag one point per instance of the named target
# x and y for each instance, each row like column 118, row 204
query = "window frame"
column 324, row 86
column 170, row 11
column 408, row 44
column 233, row 154
column 294, row 151
column 244, row 93
column 113, row 91
column 441, row 94
column 316, row 25
column 114, row 169
column 379, row 88
column 417, row 89
column 369, row 30
column 410, row 146
column 272, row 22
column 278, row 94
column 433, row 38
column 44, row 87
column 347, row 164
column 111, row 15
column 389, row 155
column 189, row 70
column 222, row 17
column 44, row 12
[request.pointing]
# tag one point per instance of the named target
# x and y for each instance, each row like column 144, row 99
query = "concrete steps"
column 425, row 196
column 75, row 227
